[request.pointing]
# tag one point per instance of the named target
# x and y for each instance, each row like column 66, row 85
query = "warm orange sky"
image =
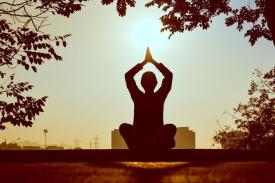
column 87, row 92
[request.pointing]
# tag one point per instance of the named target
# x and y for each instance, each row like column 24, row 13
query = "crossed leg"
column 161, row 138
column 128, row 133
column 166, row 136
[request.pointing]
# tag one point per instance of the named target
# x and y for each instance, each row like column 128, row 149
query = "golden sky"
column 87, row 92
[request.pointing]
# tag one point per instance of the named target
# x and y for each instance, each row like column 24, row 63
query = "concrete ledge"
column 103, row 155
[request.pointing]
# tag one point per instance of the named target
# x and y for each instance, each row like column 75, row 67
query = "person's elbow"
column 169, row 75
column 127, row 75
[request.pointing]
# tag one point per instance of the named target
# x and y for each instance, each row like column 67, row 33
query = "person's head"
column 149, row 81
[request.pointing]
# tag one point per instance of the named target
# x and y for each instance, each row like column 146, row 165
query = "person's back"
column 148, row 112
column 148, row 124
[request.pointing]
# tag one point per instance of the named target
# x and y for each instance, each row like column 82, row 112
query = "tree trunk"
column 270, row 16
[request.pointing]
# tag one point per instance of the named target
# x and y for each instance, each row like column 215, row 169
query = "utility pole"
column 96, row 142
column 76, row 143
column 45, row 133
column 18, row 141
column 90, row 144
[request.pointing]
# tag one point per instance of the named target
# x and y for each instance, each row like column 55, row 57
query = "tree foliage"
column 24, row 44
column 253, row 16
column 255, row 120
column 121, row 5
column 186, row 15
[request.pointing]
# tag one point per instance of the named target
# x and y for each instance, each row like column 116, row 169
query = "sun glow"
column 146, row 33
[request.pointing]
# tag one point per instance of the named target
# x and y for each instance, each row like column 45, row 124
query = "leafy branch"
column 24, row 44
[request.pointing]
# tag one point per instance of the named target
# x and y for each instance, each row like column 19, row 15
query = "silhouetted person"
column 148, row 129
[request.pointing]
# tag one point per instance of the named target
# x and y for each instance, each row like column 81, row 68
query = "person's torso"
column 148, row 111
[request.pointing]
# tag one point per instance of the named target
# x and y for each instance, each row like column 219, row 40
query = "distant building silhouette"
column 185, row 139
column 9, row 146
column 53, row 147
column 31, row 147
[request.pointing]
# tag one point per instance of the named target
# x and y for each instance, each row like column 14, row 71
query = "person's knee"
column 173, row 144
column 125, row 128
column 171, row 129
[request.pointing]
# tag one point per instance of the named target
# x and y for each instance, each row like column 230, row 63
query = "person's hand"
column 148, row 58
column 153, row 62
column 144, row 63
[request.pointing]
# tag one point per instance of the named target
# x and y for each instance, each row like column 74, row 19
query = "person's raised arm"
column 168, row 77
column 164, row 70
column 130, row 81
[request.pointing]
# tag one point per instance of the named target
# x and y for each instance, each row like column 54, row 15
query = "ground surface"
column 58, row 172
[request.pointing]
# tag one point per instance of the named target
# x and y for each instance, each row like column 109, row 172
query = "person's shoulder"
column 159, row 95
column 139, row 95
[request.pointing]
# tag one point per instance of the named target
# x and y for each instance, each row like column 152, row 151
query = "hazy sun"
column 146, row 33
